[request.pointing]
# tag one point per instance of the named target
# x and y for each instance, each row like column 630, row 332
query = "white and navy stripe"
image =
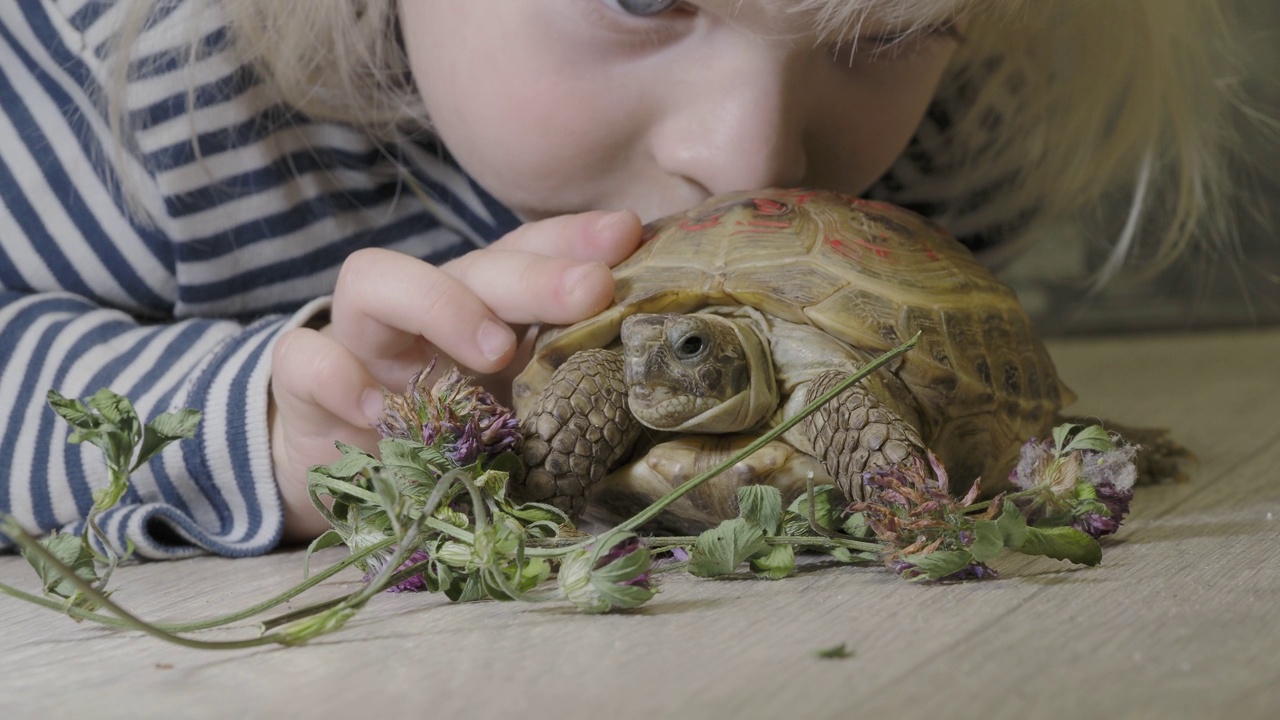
column 252, row 218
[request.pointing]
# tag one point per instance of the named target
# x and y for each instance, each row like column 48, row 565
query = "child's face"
column 561, row 106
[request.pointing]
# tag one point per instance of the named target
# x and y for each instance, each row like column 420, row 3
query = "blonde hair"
column 1111, row 97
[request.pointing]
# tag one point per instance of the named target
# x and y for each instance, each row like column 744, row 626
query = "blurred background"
column 1233, row 287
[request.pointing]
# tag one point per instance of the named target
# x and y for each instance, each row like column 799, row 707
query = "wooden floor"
column 1182, row 620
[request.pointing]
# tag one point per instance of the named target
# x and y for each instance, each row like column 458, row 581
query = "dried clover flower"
column 911, row 510
column 618, row 578
column 463, row 420
column 1085, row 485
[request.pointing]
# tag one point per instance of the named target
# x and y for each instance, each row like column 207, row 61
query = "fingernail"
column 371, row 405
column 611, row 223
column 575, row 276
column 494, row 339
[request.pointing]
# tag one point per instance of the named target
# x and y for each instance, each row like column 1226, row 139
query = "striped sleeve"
column 253, row 210
column 213, row 492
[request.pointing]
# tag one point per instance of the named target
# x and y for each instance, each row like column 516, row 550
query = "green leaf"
column 1013, row 526
column 777, row 563
column 1060, row 434
column 761, row 505
column 826, row 511
column 114, row 408
column 119, row 413
column 939, row 564
column 532, row 573
column 471, row 589
column 165, row 429
column 1063, row 543
column 354, row 465
column 623, row 597
column 492, row 483
column 71, row 551
column 1091, row 438
column 73, row 411
column 108, row 422
column 988, row 541
column 532, row 512
column 835, row 652
column 856, row 526
column 720, row 550
column 411, row 461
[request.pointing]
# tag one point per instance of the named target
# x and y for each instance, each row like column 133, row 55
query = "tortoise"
column 733, row 314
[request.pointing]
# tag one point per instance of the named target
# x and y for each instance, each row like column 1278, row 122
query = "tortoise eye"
column 690, row 347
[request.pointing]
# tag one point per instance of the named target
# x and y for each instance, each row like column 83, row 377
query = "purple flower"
column 910, row 508
column 466, row 448
column 1087, row 487
column 414, row 583
column 1105, row 501
column 454, row 414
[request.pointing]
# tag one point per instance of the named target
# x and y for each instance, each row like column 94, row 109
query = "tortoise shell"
column 871, row 275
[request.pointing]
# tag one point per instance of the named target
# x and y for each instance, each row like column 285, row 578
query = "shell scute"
column 866, row 273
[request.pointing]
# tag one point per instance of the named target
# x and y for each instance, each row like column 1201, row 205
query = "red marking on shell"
column 879, row 250
column 803, row 197
column 766, row 206
column 841, row 248
column 700, row 223
column 930, row 254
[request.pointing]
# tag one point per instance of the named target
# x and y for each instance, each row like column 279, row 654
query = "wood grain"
column 1182, row 620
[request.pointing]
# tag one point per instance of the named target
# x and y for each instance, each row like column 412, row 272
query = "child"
column 271, row 209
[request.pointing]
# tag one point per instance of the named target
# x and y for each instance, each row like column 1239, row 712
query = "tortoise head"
column 697, row 372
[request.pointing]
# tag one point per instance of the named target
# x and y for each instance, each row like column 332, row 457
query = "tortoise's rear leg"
column 856, row 432
column 1159, row 457
column 578, row 430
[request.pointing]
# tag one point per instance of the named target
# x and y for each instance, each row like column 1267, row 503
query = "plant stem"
column 663, row 542
column 653, row 510
column 208, row 623
column 31, row 545
column 662, row 503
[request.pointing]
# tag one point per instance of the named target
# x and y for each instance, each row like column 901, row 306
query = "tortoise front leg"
column 856, row 432
column 578, row 430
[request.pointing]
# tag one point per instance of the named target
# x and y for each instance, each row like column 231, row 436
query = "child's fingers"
column 598, row 236
column 320, row 394
column 525, row 288
column 319, row 385
column 386, row 302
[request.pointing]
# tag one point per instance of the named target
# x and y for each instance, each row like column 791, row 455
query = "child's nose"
column 735, row 126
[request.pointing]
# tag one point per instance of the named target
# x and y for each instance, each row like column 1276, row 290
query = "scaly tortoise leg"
column 578, row 430
column 856, row 432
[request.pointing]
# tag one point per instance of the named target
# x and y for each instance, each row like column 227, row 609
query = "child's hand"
column 391, row 313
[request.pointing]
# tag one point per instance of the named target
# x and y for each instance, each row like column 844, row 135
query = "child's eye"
column 643, row 8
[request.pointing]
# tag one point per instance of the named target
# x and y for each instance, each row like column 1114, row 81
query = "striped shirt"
column 252, row 220
column 254, row 209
